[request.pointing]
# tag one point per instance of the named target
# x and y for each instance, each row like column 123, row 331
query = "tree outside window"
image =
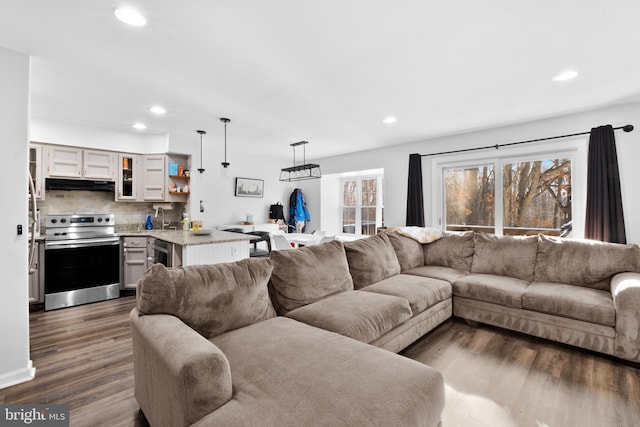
column 535, row 196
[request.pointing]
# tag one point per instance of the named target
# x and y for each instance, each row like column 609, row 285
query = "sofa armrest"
column 180, row 376
column 625, row 289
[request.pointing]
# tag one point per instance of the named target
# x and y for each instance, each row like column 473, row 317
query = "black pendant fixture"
column 201, row 132
column 224, row 120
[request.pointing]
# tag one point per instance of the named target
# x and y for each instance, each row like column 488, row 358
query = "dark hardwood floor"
column 493, row 377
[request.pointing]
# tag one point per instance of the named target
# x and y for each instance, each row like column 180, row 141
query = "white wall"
column 92, row 137
column 15, row 365
column 395, row 160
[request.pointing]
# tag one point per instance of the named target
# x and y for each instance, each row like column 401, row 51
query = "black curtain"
column 415, row 205
column 604, row 220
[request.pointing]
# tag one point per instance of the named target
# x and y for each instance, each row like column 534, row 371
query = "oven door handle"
column 85, row 243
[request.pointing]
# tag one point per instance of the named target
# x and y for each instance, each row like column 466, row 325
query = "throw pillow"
column 211, row 299
column 371, row 260
column 308, row 274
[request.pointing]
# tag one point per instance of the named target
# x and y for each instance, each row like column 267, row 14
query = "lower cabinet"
column 135, row 260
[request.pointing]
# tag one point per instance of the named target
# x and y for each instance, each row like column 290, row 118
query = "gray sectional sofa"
column 309, row 336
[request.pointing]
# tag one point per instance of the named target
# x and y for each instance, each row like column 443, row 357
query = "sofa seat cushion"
column 513, row 256
column 575, row 302
column 286, row 373
column 371, row 260
column 501, row 290
column 212, row 299
column 421, row 292
column 437, row 272
column 305, row 275
column 363, row 316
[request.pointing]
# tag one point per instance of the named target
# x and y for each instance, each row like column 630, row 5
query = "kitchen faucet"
column 162, row 222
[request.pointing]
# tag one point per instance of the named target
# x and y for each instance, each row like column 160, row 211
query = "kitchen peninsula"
column 193, row 247
column 175, row 248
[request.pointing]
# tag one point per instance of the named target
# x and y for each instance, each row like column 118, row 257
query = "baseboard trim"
column 18, row 376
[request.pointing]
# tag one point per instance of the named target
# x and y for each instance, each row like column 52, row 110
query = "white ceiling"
column 323, row 71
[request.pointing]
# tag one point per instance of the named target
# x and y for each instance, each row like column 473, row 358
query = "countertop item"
column 187, row 238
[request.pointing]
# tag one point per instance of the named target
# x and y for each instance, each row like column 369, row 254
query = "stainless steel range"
column 81, row 260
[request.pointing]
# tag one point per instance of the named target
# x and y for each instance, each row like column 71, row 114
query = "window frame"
column 358, row 207
column 575, row 148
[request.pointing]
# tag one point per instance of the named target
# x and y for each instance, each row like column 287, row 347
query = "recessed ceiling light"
column 567, row 75
column 139, row 126
column 156, row 109
column 130, row 16
column 389, row 120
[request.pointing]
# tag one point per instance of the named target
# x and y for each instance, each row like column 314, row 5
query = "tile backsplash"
column 129, row 216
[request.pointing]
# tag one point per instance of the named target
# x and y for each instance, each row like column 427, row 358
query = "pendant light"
column 224, row 120
column 303, row 171
column 201, row 132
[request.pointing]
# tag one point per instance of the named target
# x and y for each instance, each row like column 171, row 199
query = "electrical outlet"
column 19, row 229
column 201, row 206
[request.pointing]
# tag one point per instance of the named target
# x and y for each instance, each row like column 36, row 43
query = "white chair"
column 319, row 240
column 278, row 241
column 326, row 239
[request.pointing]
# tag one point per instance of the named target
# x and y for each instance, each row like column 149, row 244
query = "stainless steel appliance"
column 81, row 260
column 161, row 252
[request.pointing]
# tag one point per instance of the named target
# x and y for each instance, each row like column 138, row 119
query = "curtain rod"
column 626, row 128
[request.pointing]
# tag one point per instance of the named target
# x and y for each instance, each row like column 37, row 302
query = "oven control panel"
column 80, row 220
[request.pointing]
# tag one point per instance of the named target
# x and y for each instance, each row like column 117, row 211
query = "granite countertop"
column 189, row 238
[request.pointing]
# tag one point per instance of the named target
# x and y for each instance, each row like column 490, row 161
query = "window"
column 517, row 194
column 470, row 198
column 361, row 205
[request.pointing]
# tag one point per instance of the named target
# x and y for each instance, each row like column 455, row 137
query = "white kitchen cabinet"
column 73, row 162
column 154, row 178
column 64, row 162
column 135, row 261
column 35, row 168
column 98, row 164
column 128, row 177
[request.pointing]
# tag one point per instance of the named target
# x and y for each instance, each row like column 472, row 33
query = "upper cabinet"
column 154, row 177
column 64, row 162
column 73, row 162
column 128, row 177
column 138, row 177
column 98, row 164
column 35, row 169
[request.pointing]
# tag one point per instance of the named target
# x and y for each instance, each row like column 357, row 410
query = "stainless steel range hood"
column 79, row 184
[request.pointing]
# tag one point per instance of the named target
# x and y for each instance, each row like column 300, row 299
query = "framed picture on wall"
column 248, row 187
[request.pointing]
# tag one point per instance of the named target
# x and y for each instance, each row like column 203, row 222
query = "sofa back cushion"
column 211, row 299
column 308, row 274
column 371, row 260
column 454, row 250
column 512, row 256
column 583, row 262
column 408, row 251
